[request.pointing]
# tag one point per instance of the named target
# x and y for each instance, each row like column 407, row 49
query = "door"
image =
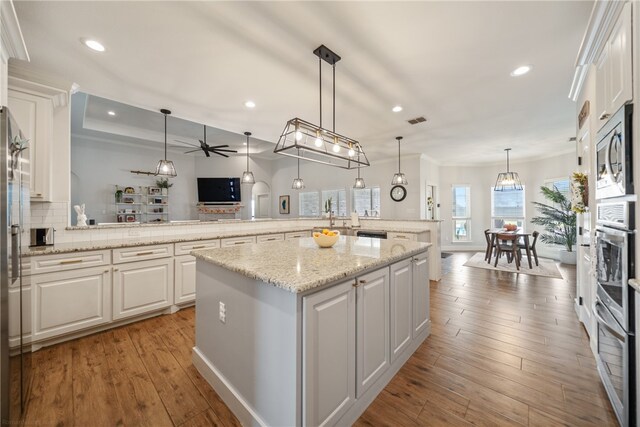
column 329, row 354
column 619, row 89
column 372, row 307
column 185, row 279
column 141, row 287
column 401, row 307
column 421, row 298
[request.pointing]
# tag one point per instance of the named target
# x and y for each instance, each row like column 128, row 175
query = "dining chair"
column 489, row 250
column 532, row 247
column 510, row 249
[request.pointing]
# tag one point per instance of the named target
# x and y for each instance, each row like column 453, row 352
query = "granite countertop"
column 93, row 245
column 634, row 284
column 300, row 265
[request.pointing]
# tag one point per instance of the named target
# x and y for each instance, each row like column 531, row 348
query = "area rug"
column 547, row 267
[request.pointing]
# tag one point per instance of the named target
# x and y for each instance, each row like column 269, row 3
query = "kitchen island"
column 291, row 334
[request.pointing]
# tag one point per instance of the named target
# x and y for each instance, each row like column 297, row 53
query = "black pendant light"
column 508, row 181
column 247, row 176
column 298, row 183
column 399, row 178
column 165, row 167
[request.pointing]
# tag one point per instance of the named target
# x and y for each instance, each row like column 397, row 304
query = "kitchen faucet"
column 332, row 219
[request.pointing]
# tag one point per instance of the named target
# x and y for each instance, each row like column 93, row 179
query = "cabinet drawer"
column 141, row 287
column 62, row 262
column 270, row 238
column 185, row 248
column 142, row 253
column 402, row 236
column 297, row 235
column 235, row 241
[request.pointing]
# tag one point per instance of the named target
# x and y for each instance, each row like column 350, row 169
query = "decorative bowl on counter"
column 326, row 238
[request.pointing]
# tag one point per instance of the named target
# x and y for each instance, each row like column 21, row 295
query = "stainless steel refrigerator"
column 15, row 298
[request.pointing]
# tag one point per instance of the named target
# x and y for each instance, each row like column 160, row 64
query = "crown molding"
column 13, row 45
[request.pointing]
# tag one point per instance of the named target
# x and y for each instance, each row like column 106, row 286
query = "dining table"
column 520, row 232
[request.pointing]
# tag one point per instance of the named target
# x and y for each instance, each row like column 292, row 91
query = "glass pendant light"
column 359, row 181
column 508, row 181
column 399, row 178
column 165, row 167
column 247, row 176
column 298, row 183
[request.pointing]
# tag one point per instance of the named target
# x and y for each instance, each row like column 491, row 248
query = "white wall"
column 533, row 174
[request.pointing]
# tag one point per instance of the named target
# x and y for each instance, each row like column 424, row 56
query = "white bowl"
column 325, row 241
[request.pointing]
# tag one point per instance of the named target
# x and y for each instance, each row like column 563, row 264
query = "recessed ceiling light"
column 94, row 45
column 521, row 71
column 250, row 104
column 396, row 109
column 111, row 113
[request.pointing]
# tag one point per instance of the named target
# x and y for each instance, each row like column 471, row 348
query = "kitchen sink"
column 345, row 231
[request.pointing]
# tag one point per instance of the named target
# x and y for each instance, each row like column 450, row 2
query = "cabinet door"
column 420, row 293
column 141, row 287
column 372, row 307
column 619, row 77
column 401, row 307
column 329, row 354
column 602, row 93
column 71, row 300
column 14, row 314
column 185, row 279
column 34, row 115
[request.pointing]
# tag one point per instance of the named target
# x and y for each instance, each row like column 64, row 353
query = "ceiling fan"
column 216, row 149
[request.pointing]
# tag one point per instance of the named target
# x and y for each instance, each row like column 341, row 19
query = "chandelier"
column 508, row 181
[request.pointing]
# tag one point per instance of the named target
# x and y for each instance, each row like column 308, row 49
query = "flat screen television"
column 216, row 190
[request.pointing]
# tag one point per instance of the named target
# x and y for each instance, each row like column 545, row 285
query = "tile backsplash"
column 50, row 214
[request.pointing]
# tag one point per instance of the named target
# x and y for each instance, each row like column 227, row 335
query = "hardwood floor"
column 504, row 350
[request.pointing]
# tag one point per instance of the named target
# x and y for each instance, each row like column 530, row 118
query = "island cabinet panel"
column 420, row 294
column 71, row 300
column 185, row 279
column 329, row 354
column 401, row 306
column 143, row 286
column 372, row 323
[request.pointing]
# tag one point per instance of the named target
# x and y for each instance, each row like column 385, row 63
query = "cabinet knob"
column 106, row 271
column 115, row 269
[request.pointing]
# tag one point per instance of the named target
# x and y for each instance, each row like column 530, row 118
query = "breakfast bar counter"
column 291, row 334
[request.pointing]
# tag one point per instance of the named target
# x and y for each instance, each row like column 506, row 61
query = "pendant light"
column 165, row 167
column 359, row 181
column 508, row 181
column 399, row 178
column 319, row 144
column 247, row 176
column 298, row 183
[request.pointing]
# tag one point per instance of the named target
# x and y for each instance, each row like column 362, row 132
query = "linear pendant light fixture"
column 165, row 167
column 508, row 181
column 298, row 183
column 247, row 176
column 399, row 178
column 307, row 141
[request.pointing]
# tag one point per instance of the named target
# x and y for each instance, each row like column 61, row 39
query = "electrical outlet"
column 222, row 315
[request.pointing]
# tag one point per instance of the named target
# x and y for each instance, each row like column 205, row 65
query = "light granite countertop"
column 300, row 265
column 634, row 284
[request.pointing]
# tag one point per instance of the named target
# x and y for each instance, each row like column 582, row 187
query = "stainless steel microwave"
column 614, row 174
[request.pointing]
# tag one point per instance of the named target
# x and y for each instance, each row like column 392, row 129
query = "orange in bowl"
column 510, row 227
column 327, row 238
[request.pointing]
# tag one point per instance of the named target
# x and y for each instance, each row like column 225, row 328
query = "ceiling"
column 447, row 61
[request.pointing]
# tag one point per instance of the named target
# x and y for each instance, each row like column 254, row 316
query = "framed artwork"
column 284, row 204
column 155, row 190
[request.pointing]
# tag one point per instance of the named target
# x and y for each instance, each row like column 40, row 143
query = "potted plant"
column 327, row 206
column 118, row 195
column 559, row 222
column 164, row 184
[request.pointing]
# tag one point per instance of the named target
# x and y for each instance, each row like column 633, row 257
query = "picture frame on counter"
column 284, row 205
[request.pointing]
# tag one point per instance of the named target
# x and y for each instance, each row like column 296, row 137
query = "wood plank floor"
column 504, row 351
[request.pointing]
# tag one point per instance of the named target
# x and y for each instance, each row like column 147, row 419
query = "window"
column 461, row 213
column 366, row 201
column 507, row 207
column 338, row 201
column 309, row 204
column 562, row 184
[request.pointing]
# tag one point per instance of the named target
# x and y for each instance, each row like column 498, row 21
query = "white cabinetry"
column 236, row 241
column 14, row 312
column 185, row 279
column 329, row 354
column 296, row 235
column 421, row 290
column 270, row 238
column 401, row 306
column 614, row 69
column 142, row 286
column 372, row 309
column 402, row 236
column 71, row 300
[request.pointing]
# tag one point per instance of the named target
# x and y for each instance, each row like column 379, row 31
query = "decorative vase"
column 567, row 257
column 165, row 191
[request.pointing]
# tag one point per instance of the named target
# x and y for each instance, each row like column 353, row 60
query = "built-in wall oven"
column 614, row 174
column 614, row 306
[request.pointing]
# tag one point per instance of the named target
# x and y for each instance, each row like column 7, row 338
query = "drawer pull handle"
column 144, row 253
column 240, row 243
column 70, row 261
column 362, row 282
column 198, row 247
column 604, row 116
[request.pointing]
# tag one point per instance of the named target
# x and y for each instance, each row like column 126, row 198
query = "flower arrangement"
column 579, row 192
